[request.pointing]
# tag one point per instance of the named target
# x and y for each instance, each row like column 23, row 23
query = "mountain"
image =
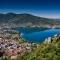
column 26, row 20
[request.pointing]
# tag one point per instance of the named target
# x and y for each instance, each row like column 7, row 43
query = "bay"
column 37, row 34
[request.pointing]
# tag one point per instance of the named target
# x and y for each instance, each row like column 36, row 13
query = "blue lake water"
column 38, row 35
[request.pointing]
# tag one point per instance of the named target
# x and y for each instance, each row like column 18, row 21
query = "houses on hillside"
column 10, row 46
column 55, row 38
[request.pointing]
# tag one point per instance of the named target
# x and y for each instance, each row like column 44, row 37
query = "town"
column 11, row 45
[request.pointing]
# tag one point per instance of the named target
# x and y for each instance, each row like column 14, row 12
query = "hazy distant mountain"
column 26, row 19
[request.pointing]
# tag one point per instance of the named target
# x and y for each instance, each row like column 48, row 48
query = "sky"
column 43, row 8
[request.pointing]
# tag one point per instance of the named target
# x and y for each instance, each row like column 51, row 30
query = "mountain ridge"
column 26, row 19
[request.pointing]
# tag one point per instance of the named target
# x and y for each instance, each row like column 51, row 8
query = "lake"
column 37, row 34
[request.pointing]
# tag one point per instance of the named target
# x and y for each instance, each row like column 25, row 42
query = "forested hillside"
column 26, row 19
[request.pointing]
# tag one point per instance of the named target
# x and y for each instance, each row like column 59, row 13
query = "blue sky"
column 44, row 8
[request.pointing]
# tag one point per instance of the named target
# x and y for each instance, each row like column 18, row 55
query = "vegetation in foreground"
column 45, row 51
column 13, row 46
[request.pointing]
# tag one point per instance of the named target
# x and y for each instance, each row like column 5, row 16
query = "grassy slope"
column 45, row 52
